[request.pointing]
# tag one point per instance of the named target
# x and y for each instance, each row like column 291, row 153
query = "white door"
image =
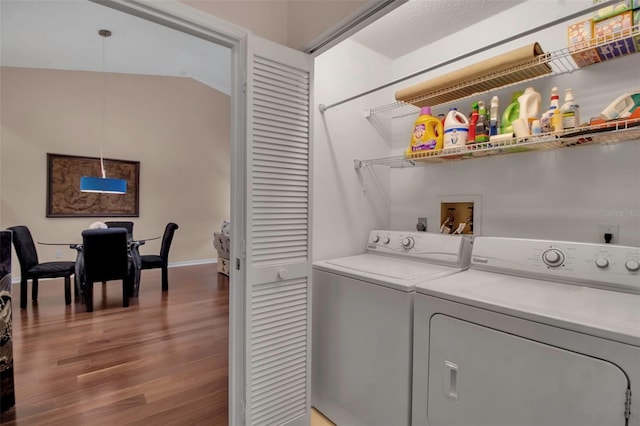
column 484, row 377
column 278, row 241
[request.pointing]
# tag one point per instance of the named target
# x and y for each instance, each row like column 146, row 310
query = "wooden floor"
column 162, row 361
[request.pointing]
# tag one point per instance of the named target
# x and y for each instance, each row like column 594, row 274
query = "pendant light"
column 103, row 184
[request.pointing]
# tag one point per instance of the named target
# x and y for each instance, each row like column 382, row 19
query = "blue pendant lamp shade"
column 100, row 184
column 103, row 184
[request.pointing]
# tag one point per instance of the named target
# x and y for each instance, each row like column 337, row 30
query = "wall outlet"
column 58, row 254
column 422, row 224
column 608, row 229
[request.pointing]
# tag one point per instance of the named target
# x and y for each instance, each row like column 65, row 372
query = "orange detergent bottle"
column 428, row 133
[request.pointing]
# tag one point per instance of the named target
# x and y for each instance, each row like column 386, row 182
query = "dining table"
column 134, row 254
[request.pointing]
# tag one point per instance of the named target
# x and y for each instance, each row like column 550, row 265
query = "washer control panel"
column 603, row 265
column 437, row 248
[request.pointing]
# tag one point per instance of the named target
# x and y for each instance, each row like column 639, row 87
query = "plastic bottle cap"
column 425, row 110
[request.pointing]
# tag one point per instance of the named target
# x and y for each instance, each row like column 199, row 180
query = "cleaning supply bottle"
column 482, row 124
column 556, row 121
column 529, row 103
column 493, row 117
column 622, row 107
column 456, row 129
column 427, row 133
column 554, row 103
column 472, row 123
column 510, row 113
column 570, row 111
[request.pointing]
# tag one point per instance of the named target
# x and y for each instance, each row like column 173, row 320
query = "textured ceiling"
column 418, row 23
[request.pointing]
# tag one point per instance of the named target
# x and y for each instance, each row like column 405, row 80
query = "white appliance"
column 535, row 333
column 362, row 324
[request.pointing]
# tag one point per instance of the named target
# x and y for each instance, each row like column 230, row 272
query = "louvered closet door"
column 278, row 236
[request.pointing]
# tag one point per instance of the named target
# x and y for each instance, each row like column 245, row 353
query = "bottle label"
column 569, row 119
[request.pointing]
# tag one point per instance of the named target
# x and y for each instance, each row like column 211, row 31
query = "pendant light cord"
column 104, row 34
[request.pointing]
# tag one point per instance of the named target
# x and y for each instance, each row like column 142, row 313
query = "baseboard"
column 193, row 262
column 16, row 280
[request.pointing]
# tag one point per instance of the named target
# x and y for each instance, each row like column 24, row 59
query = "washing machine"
column 534, row 333
column 362, row 316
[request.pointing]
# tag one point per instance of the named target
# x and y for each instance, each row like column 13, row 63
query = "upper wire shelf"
column 560, row 62
column 597, row 134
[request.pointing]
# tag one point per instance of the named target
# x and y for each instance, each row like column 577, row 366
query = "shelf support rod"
column 525, row 33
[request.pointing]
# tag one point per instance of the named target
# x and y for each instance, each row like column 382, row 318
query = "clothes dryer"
column 535, row 333
column 362, row 324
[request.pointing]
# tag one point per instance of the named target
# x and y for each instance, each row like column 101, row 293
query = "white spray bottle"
column 493, row 117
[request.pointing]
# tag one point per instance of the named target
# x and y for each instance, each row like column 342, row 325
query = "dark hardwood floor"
column 161, row 361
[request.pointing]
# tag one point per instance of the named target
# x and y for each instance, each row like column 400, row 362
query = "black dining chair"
column 126, row 225
column 106, row 258
column 32, row 269
column 153, row 261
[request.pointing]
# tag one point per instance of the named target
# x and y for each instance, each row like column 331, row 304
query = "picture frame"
column 64, row 198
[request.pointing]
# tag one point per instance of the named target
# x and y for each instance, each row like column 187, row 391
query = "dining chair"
column 31, row 268
column 153, row 261
column 106, row 258
column 126, row 225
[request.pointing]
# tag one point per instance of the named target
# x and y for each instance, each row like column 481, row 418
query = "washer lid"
column 605, row 313
column 387, row 271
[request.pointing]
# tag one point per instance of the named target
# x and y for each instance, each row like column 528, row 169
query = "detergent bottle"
column 554, row 103
column 428, row 133
column 529, row 103
column 493, row 117
column 622, row 107
column 482, row 124
column 511, row 112
column 473, row 122
column 570, row 111
column 456, row 129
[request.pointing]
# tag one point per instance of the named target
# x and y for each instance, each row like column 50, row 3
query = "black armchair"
column 30, row 268
column 106, row 258
column 152, row 261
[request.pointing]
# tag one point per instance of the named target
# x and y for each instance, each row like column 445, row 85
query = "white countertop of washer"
column 388, row 271
column 605, row 313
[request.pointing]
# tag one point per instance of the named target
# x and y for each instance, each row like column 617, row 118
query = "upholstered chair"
column 32, row 269
column 152, row 261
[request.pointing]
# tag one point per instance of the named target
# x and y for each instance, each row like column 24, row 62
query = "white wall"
column 348, row 203
column 561, row 194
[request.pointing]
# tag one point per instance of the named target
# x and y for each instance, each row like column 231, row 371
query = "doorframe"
column 200, row 24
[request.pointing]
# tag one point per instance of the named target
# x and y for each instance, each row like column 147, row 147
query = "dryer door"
column 480, row 376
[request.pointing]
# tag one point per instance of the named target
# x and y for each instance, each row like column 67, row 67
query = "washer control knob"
column 386, row 240
column 632, row 265
column 602, row 263
column 408, row 243
column 376, row 239
column 553, row 257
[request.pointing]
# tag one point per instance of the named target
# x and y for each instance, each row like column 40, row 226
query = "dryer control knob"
column 601, row 262
column 553, row 257
column 376, row 239
column 408, row 243
column 386, row 240
column 632, row 265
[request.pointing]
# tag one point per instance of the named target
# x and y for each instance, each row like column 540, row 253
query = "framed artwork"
column 64, row 198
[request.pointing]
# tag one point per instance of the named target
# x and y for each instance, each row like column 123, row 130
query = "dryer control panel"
column 454, row 250
column 596, row 265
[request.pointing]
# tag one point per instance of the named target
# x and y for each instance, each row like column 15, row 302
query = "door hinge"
column 627, row 405
column 237, row 264
column 244, row 411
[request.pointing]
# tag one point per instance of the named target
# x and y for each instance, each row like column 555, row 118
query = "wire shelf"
column 605, row 133
column 554, row 63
